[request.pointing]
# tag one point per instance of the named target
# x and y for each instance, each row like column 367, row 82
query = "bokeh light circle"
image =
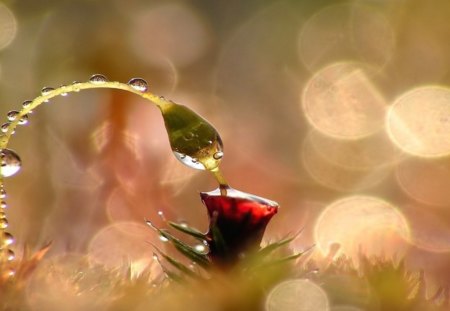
column 419, row 121
column 297, row 295
column 123, row 245
column 168, row 35
column 362, row 224
column 341, row 101
column 8, row 26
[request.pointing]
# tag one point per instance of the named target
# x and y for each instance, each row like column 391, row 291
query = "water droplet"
column 163, row 238
column 47, row 90
column 189, row 161
column 64, row 94
column 3, row 205
column 10, row 256
column 12, row 115
column 9, row 273
column 23, row 120
column 189, row 136
column 26, row 104
column 155, row 257
column 2, row 215
column 183, row 224
column 218, row 155
column 7, row 239
column 138, row 84
column 201, row 248
column 3, row 223
column 5, row 127
column 10, row 162
column 98, row 79
column 2, row 193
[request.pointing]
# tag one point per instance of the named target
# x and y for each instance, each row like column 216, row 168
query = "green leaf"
column 188, row 230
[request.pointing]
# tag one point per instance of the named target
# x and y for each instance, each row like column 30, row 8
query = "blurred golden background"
column 338, row 110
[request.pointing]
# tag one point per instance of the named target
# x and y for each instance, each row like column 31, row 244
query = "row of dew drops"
column 11, row 162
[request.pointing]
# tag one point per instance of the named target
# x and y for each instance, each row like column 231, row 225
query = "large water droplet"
column 3, row 205
column 3, row 223
column 47, row 90
column 10, row 162
column 138, row 84
column 26, row 104
column 23, row 120
column 201, row 248
column 6, row 239
column 98, row 79
column 12, row 115
column 2, row 193
column 2, row 215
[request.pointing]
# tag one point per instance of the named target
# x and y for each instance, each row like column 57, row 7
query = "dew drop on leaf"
column 10, row 162
column 26, row 104
column 3, row 223
column 12, row 115
column 138, row 84
column 163, row 238
column 218, row 155
column 10, row 256
column 23, row 120
column 98, row 79
column 7, row 239
column 47, row 90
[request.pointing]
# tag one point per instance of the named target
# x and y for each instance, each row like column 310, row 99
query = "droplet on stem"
column 5, row 127
column 23, row 120
column 3, row 223
column 7, row 239
column 98, row 79
column 10, row 162
column 12, row 115
column 26, row 104
column 2, row 193
column 138, row 84
column 3, row 205
column 47, row 91
column 10, row 256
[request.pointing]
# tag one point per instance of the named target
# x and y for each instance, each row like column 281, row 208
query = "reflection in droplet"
column 122, row 243
column 7, row 238
column 26, row 104
column 425, row 180
column 189, row 161
column 419, row 121
column 98, row 79
column 12, row 115
column 23, row 119
column 341, row 101
column 362, row 224
column 2, row 193
column 3, row 222
column 10, row 162
column 47, row 90
column 297, row 295
column 138, row 84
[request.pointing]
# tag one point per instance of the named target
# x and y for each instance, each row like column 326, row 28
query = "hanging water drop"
column 163, row 238
column 10, row 162
column 10, row 256
column 98, row 79
column 26, row 104
column 23, row 120
column 3, row 205
column 2, row 215
column 5, row 127
column 2, row 193
column 3, row 223
column 47, row 91
column 7, row 239
column 218, row 155
column 138, row 84
column 201, row 248
column 12, row 115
